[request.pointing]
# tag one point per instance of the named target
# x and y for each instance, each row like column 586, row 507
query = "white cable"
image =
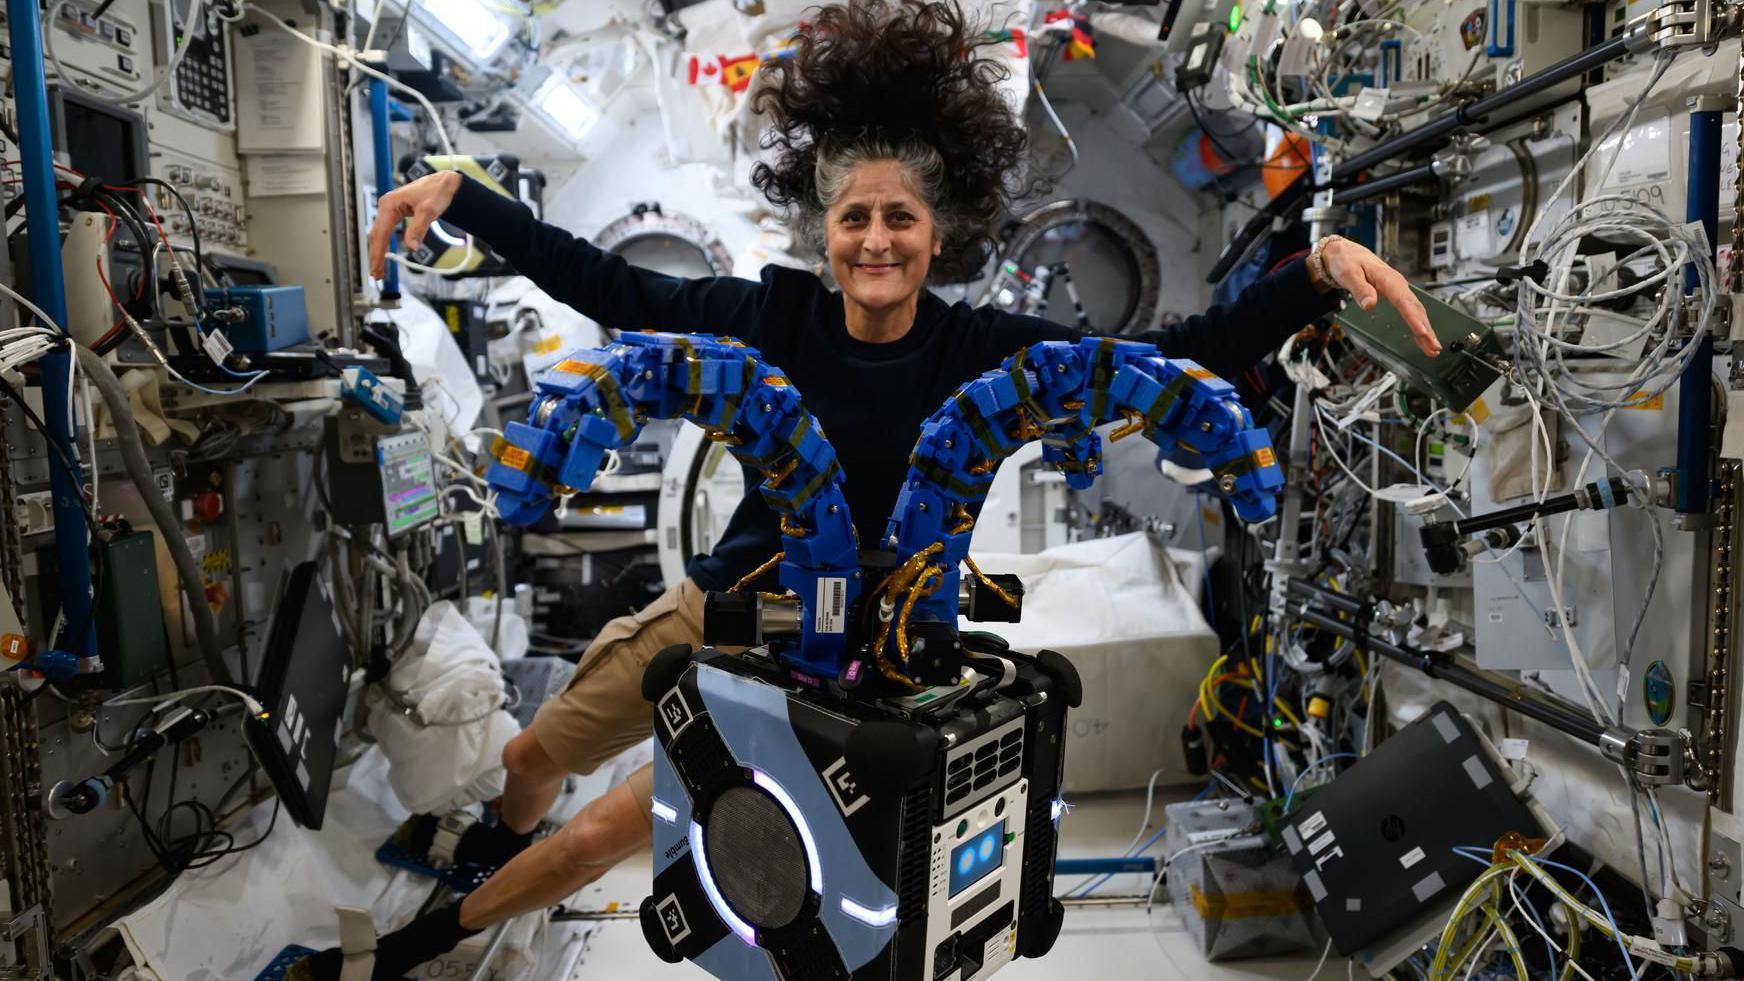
column 1667, row 243
column 1543, row 490
column 1348, row 472
column 487, row 503
column 1145, row 823
column 1478, row 956
column 1532, row 921
column 160, row 701
column 1323, row 956
column 91, row 441
column 350, row 58
column 72, row 391
column 1163, row 868
column 1590, row 692
column 1422, row 431
column 165, row 73
column 1048, row 108
column 33, row 308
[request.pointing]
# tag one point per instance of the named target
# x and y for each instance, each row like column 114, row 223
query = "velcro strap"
column 357, row 943
column 447, row 838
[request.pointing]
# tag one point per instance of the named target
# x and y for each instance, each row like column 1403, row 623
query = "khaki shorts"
column 602, row 712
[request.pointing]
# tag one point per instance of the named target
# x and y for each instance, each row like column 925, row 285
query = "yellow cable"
column 1233, row 720
column 1509, row 940
column 896, row 583
column 1288, row 712
column 999, row 591
column 1590, row 915
column 934, row 575
column 1468, row 903
column 758, row 572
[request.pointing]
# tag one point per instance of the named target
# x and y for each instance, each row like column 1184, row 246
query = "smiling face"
column 880, row 237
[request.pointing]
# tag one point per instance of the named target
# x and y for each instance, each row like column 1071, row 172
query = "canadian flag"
column 734, row 73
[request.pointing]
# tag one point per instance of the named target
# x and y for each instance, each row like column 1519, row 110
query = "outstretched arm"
column 596, row 282
column 1230, row 338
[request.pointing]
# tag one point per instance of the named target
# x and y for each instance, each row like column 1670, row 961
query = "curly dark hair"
column 881, row 80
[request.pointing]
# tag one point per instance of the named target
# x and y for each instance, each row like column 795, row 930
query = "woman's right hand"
column 422, row 202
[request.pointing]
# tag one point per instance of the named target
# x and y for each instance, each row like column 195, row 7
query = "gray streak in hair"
column 921, row 164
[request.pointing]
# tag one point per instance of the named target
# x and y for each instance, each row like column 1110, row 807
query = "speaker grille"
column 756, row 858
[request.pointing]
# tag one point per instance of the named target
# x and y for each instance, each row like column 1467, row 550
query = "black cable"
column 207, row 843
column 124, row 213
column 68, row 467
column 123, row 204
column 1232, row 157
column 59, row 455
column 1252, row 124
column 193, row 224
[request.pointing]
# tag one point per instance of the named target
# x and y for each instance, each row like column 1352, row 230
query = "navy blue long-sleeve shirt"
column 870, row 398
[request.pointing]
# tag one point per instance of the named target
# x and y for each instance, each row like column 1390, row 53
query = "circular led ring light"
column 1033, row 233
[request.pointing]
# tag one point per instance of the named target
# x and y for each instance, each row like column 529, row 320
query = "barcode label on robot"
column 832, row 602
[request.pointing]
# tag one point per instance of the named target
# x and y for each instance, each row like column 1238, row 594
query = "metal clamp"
column 1689, row 23
column 1655, row 757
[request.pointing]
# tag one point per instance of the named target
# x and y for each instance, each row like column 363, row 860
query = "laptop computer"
column 1375, row 847
column 303, row 682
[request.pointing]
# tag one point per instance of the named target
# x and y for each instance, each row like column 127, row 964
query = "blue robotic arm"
column 1057, row 392
column 597, row 400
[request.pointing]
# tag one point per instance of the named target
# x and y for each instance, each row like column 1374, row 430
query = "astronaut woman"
column 893, row 152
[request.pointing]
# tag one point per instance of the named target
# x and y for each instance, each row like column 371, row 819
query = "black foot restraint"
column 361, row 956
column 457, row 850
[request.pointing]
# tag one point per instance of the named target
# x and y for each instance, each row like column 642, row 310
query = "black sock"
column 424, row 939
column 490, row 845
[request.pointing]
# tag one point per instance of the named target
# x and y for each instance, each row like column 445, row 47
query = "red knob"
column 208, row 505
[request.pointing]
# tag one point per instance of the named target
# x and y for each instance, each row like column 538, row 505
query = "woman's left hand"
column 1368, row 280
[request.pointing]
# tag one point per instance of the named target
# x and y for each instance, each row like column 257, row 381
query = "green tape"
column 1166, row 400
column 1018, row 379
column 616, row 408
column 1101, row 376
column 1238, row 467
column 978, row 425
column 816, row 484
column 947, row 479
column 693, row 384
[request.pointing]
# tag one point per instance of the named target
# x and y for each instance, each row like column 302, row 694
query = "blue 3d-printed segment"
column 1059, row 392
column 597, row 400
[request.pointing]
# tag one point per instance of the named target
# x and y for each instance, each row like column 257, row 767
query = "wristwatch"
column 1316, row 263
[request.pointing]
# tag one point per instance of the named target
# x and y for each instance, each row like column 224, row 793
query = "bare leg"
column 533, row 783
column 607, row 831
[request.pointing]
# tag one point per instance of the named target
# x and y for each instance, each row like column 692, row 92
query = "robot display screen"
column 972, row 860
